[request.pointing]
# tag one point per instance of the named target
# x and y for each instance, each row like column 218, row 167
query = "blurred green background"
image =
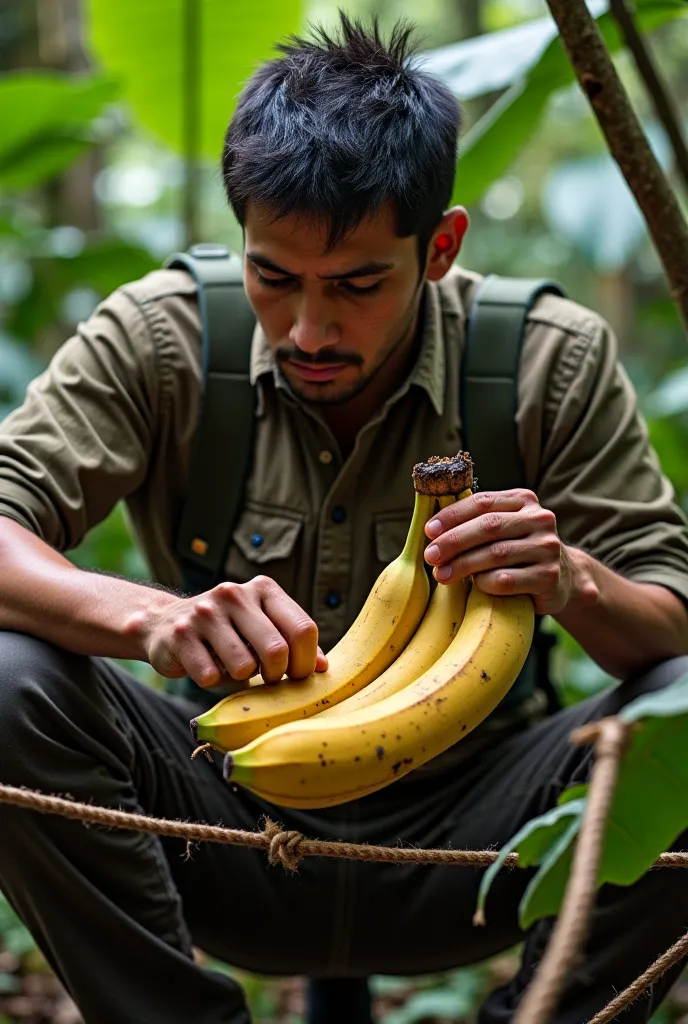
column 111, row 125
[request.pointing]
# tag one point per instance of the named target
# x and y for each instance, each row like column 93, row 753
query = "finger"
column 533, row 580
column 265, row 638
column 492, row 528
column 478, row 504
column 321, row 662
column 197, row 660
column 490, row 557
column 234, row 612
column 232, row 653
column 298, row 630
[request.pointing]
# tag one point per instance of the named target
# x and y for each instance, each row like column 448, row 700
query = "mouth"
column 317, row 374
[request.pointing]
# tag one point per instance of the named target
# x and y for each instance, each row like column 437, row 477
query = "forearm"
column 624, row 626
column 45, row 595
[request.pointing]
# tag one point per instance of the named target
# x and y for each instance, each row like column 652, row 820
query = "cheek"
column 272, row 311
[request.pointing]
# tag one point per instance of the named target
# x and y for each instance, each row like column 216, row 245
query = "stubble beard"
column 342, row 397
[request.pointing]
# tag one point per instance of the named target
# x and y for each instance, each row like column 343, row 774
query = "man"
column 339, row 164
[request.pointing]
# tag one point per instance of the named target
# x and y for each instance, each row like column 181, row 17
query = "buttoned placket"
column 337, row 520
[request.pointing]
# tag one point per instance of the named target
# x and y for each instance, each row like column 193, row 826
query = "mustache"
column 285, row 353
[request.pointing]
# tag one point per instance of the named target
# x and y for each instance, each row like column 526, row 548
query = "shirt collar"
column 429, row 370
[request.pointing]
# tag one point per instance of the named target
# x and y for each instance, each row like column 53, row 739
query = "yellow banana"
column 383, row 627
column 438, row 628
column 321, row 762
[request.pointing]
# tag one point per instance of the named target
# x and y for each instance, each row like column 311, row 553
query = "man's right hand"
column 237, row 629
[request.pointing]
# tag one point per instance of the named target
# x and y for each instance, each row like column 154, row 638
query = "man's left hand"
column 508, row 543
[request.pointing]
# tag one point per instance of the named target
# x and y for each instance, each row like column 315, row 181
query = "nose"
column 312, row 330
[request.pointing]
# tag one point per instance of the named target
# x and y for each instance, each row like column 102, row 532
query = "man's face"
column 331, row 320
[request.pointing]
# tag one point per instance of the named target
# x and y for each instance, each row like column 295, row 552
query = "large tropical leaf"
column 146, row 46
column 495, row 60
column 493, row 144
column 45, row 118
column 671, row 396
column 648, row 812
column 588, row 202
column 102, row 266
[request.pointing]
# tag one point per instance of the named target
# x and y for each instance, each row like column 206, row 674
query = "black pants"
column 117, row 913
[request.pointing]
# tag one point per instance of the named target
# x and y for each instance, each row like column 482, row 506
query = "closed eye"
column 274, row 282
column 357, row 289
column 347, row 286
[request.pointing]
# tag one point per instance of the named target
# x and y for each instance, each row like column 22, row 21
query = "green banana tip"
column 227, row 767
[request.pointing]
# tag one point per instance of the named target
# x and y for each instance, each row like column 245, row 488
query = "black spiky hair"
column 339, row 126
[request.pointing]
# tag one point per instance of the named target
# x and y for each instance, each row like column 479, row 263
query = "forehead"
column 298, row 237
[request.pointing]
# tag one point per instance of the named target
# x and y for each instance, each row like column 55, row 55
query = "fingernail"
column 433, row 529
column 443, row 572
column 432, row 553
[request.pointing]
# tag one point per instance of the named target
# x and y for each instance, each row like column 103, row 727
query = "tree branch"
column 664, row 105
column 570, row 931
column 627, row 143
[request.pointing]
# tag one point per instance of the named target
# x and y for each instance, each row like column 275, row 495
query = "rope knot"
column 283, row 845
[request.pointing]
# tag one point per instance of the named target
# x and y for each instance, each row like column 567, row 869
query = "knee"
column 35, row 683
column 659, row 676
column 25, row 663
column 663, row 674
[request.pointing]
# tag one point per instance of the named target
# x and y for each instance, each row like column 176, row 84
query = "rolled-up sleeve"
column 599, row 472
column 82, row 438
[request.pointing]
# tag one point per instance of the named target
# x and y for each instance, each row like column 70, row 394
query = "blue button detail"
column 338, row 514
column 333, row 599
column 256, row 540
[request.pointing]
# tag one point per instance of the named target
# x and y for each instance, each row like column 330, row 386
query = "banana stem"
column 423, row 508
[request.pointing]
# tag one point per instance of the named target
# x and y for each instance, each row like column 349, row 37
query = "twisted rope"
column 573, row 921
column 662, row 964
column 287, row 848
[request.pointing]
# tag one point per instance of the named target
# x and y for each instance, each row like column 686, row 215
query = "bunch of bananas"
column 412, row 676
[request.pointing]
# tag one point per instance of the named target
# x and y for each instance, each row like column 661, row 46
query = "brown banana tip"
column 440, row 476
column 227, row 767
column 193, row 725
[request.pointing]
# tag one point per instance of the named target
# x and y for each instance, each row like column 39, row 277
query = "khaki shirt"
column 113, row 417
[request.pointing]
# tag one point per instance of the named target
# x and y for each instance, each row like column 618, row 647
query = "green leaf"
column 573, row 793
column 44, row 117
column 102, row 267
column 492, row 145
column 8, row 229
column 671, row 397
column 672, row 700
column 143, row 45
column 533, row 841
column 648, row 811
column 35, row 102
column 38, row 161
column 545, row 891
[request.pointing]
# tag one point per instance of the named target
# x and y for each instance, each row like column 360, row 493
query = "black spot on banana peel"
column 444, row 476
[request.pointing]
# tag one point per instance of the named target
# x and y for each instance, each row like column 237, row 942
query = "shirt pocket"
column 266, row 542
column 390, row 531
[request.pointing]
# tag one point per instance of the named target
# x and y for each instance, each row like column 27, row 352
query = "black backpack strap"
column 489, row 377
column 223, row 446
column 489, row 400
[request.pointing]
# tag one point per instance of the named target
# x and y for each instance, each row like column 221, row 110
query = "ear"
column 446, row 243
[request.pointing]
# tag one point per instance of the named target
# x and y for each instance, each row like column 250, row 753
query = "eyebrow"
column 365, row 270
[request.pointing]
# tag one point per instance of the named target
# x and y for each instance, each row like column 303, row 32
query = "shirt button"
column 338, row 514
column 256, row 540
column 326, row 456
column 333, row 599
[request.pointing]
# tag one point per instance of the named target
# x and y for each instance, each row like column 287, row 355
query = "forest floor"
column 38, row 998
